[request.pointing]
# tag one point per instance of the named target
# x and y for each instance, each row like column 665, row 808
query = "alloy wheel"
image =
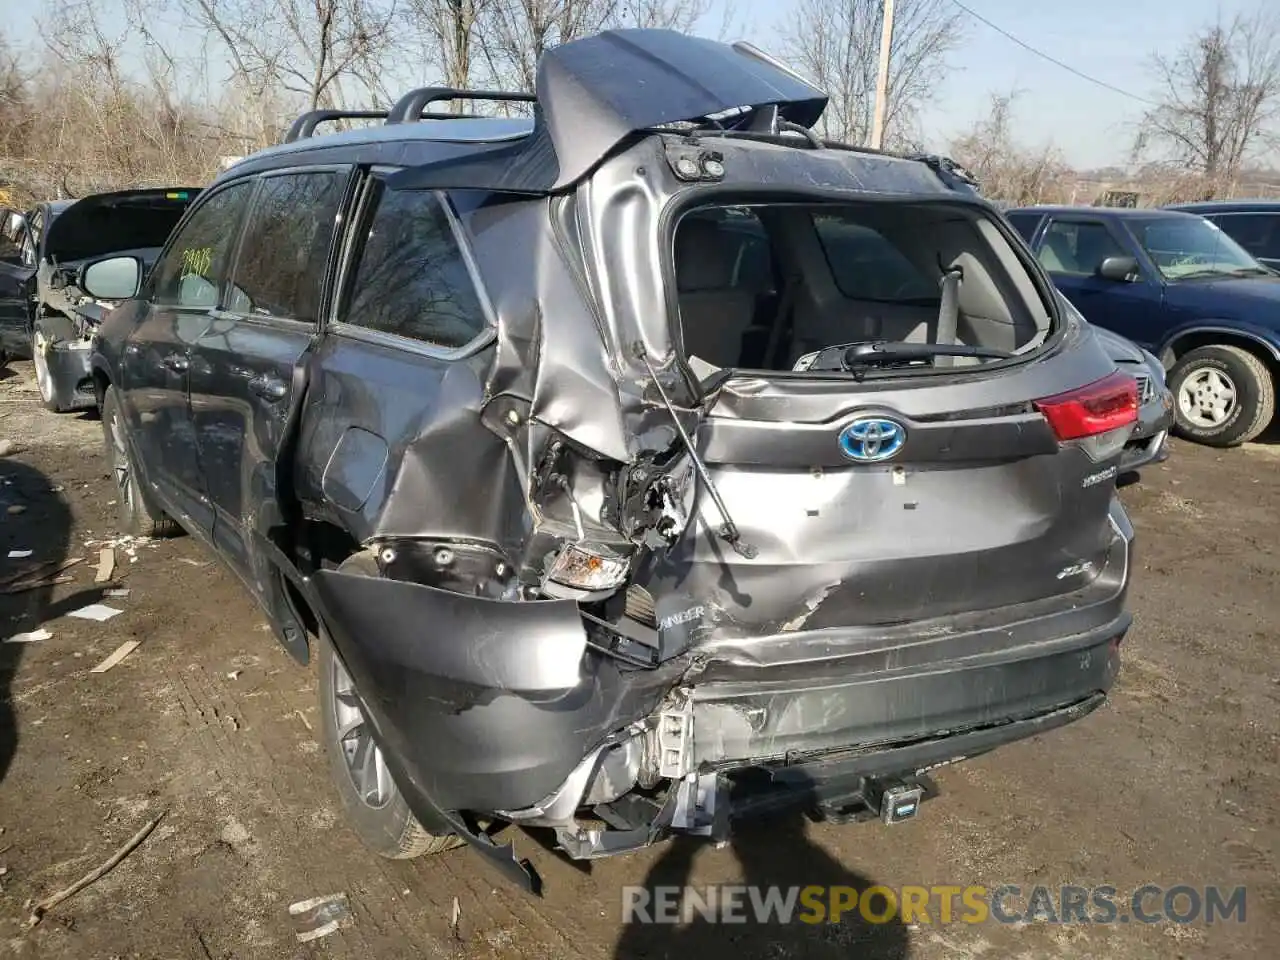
column 1207, row 397
column 364, row 761
column 120, row 465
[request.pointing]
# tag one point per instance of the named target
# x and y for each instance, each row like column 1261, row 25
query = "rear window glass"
column 867, row 266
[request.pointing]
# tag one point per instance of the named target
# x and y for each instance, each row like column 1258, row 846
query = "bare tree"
column 1218, row 100
column 1007, row 171
column 515, row 33
column 308, row 47
column 449, row 28
column 835, row 43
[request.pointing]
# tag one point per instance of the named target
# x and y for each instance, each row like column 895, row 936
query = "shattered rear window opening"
column 852, row 287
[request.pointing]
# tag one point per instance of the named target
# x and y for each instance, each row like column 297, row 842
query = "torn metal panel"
column 492, row 704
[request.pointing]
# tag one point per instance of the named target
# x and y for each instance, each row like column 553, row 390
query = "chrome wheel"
column 39, row 344
column 121, row 468
column 364, row 762
column 1207, row 397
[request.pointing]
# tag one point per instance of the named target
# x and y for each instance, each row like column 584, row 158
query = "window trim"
column 147, row 290
column 361, row 219
column 335, row 247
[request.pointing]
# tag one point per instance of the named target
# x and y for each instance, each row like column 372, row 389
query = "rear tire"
column 1223, row 396
column 370, row 798
column 138, row 516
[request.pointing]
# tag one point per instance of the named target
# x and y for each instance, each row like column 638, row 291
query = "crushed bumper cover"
column 484, row 705
column 1150, row 441
column 71, row 379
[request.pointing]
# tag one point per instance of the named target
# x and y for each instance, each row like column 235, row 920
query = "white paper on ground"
column 95, row 611
column 19, row 554
column 31, row 637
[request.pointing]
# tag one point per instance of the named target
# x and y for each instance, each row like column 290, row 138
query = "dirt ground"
column 1176, row 780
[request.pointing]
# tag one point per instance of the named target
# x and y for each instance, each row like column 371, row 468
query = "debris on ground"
column 320, row 916
column 48, row 903
column 19, row 554
column 106, row 565
column 117, row 655
column 95, row 611
column 115, row 593
column 17, row 508
column 454, row 916
column 234, row 674
column 41, row 575
column 31, row 636
column 8, row 448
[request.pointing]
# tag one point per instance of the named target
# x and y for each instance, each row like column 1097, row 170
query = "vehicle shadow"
column 32, row 517
column 774, row 853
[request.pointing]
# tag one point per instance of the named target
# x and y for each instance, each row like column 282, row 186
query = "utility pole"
column 882, row 79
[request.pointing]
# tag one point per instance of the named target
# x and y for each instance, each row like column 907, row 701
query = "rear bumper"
column 511, row 708
column 70, row 375
column 1150, row 441
column 758, row 721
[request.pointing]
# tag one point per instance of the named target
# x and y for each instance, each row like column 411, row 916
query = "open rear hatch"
column 940, row 460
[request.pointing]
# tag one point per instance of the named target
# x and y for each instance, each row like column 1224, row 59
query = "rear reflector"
column 1099, row 407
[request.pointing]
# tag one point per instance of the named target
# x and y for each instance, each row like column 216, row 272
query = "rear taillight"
column 1098, row 417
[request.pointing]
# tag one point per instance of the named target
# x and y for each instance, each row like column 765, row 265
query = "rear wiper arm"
column 728, row 529
column 891, row 351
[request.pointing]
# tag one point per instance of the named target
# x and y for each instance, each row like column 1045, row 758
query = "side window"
column 411, row 278
column 1077, row 247
column 279, row 271
column 1024, row 223
column 865, row 265
column 193, row 268
column 1259, row 233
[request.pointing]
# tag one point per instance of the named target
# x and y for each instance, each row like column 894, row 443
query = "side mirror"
column 1120, row 269
column 116, row 278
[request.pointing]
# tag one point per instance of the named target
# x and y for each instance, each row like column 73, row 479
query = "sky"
column 1111, row 40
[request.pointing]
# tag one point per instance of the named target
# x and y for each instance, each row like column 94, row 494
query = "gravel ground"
column 1176, row 780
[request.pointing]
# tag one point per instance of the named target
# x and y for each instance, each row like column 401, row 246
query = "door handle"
column 177, row 363
column 268, row 388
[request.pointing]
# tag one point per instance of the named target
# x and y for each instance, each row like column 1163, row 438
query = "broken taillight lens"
column 1098, row 417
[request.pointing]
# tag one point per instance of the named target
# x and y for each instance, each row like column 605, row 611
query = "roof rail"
column 409, row 107
column 306, row 124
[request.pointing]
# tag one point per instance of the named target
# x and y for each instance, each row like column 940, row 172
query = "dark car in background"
column 46, row 311
column 1254, row 224
column 636, row 467
column 1178, row 286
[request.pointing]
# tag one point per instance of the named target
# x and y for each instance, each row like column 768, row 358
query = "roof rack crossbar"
column 409, row 107
column 306, row 124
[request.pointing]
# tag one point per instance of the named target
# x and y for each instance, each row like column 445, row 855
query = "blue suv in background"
column 1254, row 224
column 1178, row 285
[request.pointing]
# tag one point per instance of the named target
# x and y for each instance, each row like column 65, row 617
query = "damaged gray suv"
column 636, row 467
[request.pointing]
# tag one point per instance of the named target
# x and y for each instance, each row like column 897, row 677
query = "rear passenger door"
column 246, row 368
